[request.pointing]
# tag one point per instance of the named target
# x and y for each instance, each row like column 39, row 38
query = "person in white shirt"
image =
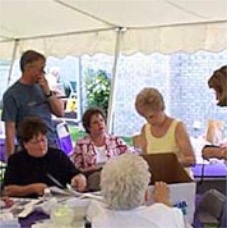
column 124, row 183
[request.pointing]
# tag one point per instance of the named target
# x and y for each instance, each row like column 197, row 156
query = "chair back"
column 65, row 141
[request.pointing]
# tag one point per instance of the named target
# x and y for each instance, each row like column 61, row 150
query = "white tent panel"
column 216, row 37
column 6, row 50
column 30, row 18
column 62, row 27
column 188, row 38
column 75, row 44
column 150, row 13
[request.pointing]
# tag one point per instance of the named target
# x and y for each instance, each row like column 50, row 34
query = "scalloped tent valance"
column 69, row 27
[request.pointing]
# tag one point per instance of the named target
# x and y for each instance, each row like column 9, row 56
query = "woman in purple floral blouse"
column 92, row 151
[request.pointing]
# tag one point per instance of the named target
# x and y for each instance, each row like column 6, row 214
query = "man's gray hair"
column 124, row 180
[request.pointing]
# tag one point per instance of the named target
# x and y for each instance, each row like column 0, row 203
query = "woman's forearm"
column 188, row 161
column 17, row 190
column 215, row 152
column 24, row 190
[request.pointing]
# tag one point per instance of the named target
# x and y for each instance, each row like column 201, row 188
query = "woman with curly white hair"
column 124, row 183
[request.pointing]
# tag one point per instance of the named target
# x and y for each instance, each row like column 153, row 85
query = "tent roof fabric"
column 61, row 27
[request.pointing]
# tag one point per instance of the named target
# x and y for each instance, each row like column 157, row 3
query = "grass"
column 210, row 226
column 76, row 133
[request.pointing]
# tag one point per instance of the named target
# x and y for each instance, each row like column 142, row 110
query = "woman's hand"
column 161, row 193
column 7, row 201
column 79, row 182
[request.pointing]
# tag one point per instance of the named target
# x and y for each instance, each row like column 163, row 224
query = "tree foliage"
column 98, row 89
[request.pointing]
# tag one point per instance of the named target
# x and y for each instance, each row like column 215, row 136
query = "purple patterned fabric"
column 84, row 155
column 32, row 218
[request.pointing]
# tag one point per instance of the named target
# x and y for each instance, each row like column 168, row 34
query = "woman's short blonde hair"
column 149, row 99
column 218, row 81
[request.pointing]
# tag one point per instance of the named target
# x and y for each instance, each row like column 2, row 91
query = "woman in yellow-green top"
column 161, row 133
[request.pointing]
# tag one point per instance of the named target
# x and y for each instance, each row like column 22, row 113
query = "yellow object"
column 166, row 143
column 71, row 105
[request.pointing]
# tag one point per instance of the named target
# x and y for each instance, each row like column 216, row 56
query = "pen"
column 55, row 181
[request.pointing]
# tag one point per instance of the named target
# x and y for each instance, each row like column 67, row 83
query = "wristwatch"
column 49, row 95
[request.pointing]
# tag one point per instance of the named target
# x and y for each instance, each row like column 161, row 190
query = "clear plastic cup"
column 62, row 215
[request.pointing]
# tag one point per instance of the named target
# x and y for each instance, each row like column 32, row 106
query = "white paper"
column 6, row 216
column 65, row 192
column 71, row 192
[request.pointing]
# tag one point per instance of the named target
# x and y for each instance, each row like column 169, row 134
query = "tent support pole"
column 80, row 97
column 111, row 103
column 12, row 61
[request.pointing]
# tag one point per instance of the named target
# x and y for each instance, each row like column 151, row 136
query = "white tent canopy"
column 62, row 27
column 76, row 27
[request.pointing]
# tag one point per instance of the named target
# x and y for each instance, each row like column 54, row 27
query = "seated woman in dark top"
column 36, row 167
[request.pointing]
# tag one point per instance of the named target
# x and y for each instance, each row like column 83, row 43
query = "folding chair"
column 212, row 209
column 65, row 141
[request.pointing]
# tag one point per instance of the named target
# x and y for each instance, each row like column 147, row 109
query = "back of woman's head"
column 218, row 81
column 30, row 127
column 149, row 99
column 86, row 119
column 124, row 180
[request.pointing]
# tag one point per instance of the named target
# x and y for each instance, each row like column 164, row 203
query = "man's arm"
column 10, row 138
column 56, row 104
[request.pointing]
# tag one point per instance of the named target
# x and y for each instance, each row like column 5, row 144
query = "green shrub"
column 76, row 133
column 97, row 89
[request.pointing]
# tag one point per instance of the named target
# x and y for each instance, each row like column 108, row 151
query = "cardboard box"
column 166, row 168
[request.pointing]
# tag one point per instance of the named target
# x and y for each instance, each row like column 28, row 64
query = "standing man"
column 30, row 96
